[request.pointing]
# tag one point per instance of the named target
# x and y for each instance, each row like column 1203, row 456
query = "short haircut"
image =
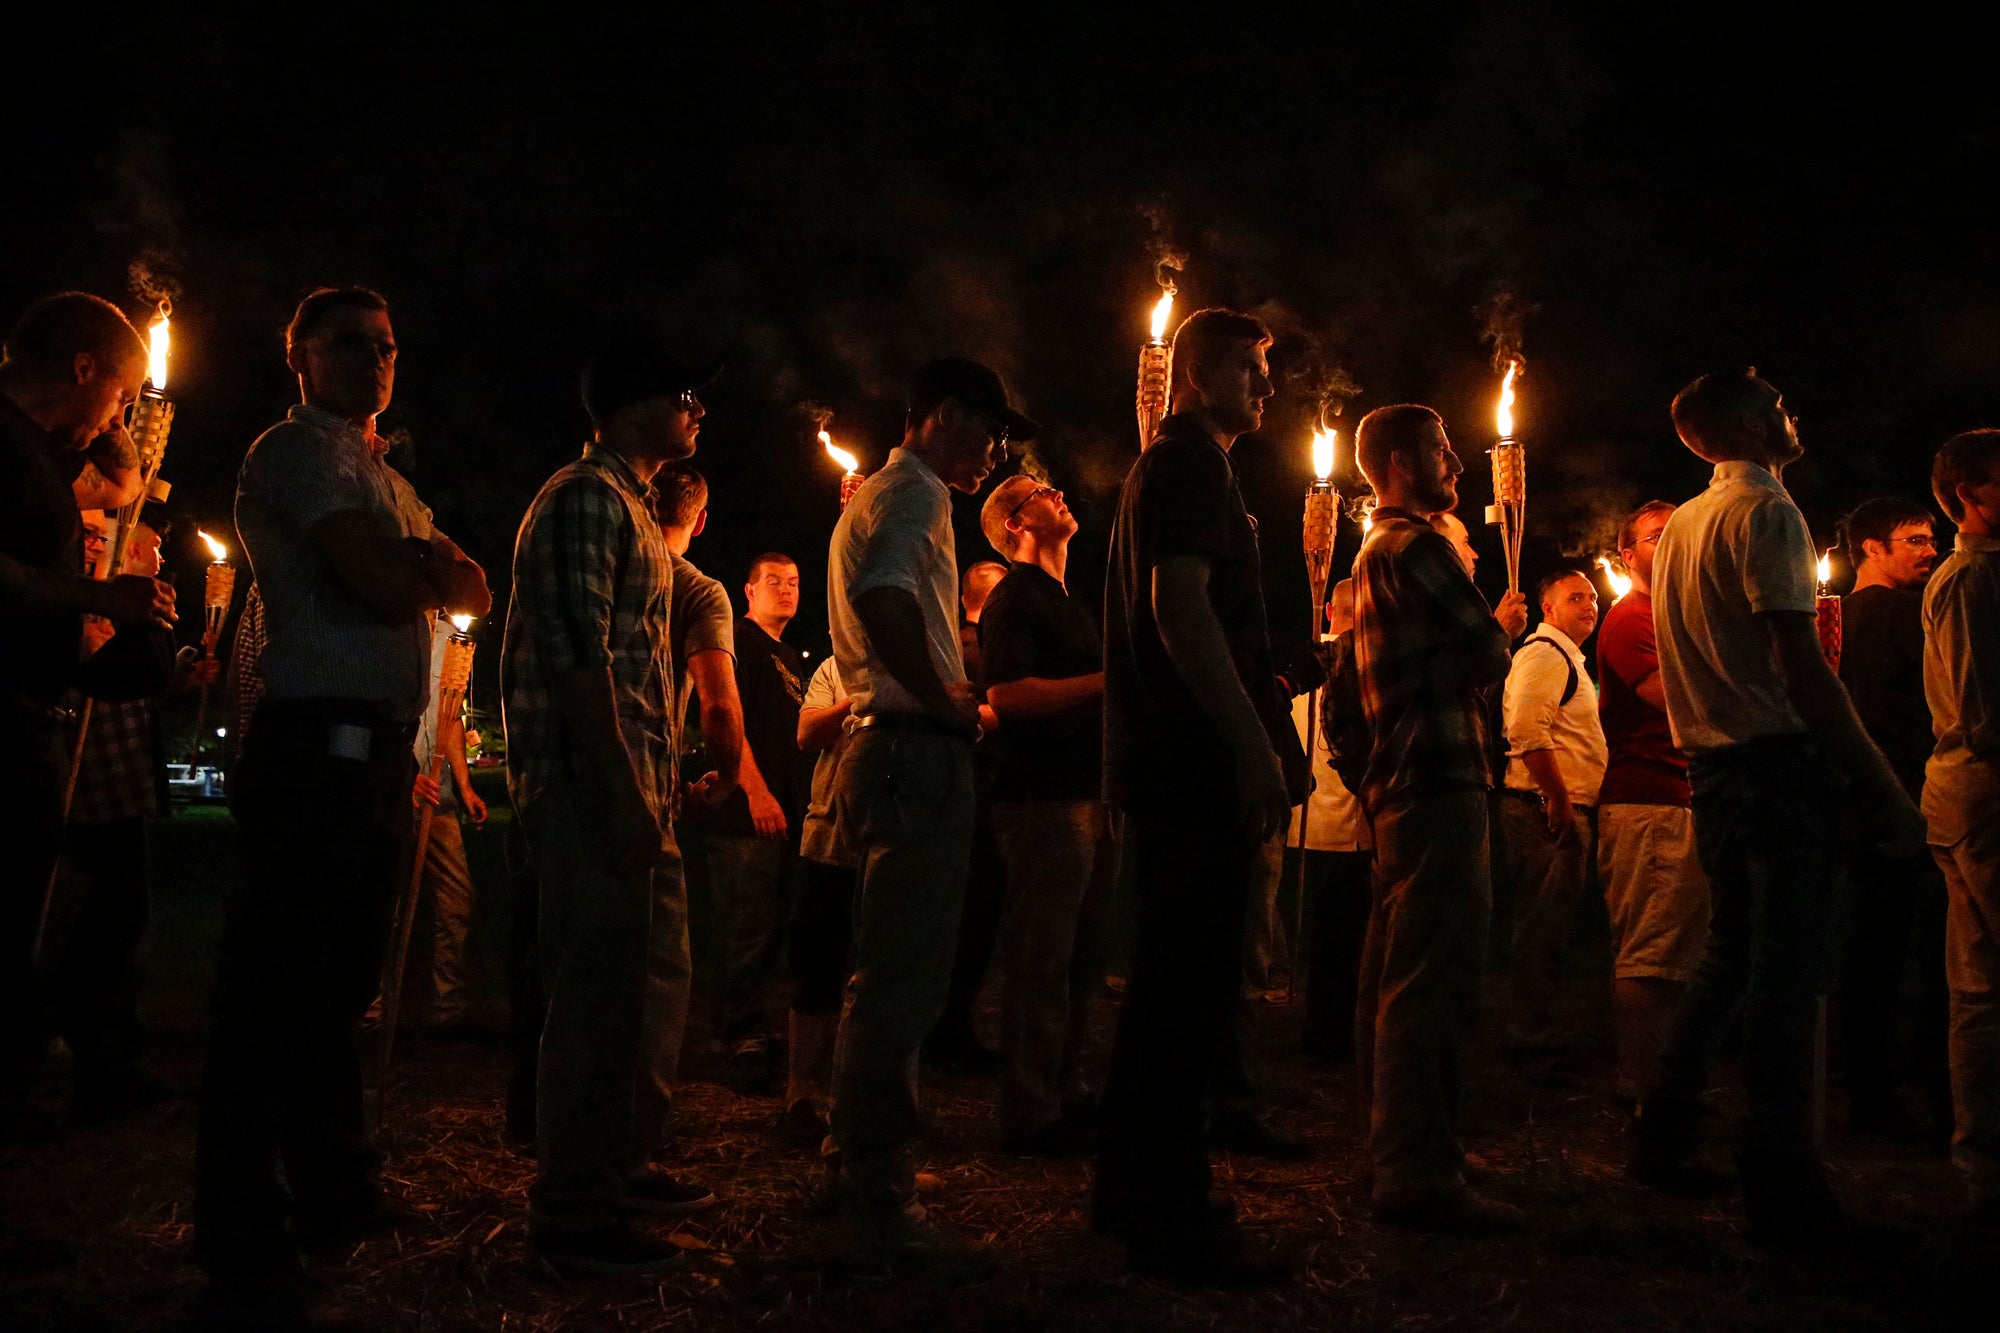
column 1876, row 521
column 1555, row 576
column 1207, row 333
column 768, row 558
column 1006, row 498
column 57, row 329
column 679, row 495
column 1968, row 458
column 1709, row 411
column 1628, row 531
column 1403, row 428
column 312, row 311
column 965, row 579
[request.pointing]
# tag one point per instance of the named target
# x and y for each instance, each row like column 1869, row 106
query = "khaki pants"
column 906, row 797
column 1419, row 993
column 1972, row 968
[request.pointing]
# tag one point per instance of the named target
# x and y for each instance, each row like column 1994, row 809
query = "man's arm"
column 451, row 738
column 398, row 577
column 1040, row 696
column 1533, row 696
column 129, row 599
column 714, row 674
column 1823, row 705
column 110, row 478
column 895, row 626
column 820, row 728
column 1198, row 649
column 1652, row 689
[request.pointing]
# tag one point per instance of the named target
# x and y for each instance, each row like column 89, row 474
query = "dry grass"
column 1602, row 1254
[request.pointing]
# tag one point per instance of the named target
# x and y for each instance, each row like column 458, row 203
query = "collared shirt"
column 1537, row 719
column 322, row 642
column 39, row 527
column 1962, row 682
column 1738, row 550
column 1645, row 767
column 593, row 589
column 1162, row 750
column 1334, row 822
column 1032, row 627
column 896, row 533
column 1426, row 650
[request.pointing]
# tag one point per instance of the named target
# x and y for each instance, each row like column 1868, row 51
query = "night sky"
column 824, row 198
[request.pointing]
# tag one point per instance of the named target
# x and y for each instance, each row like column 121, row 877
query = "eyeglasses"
column 1925, row 543
column 1653, row 540
column 1035, row 494
column 688, row 401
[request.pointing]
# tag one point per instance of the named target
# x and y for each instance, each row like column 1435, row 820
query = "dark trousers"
column 1337, row 905
column 1893, row 1025
column 32, row 768
column 97, row 980
column 1764, row 819
column 1192, row 880
column 978, row 932
column 819, row 937
column 323, row 833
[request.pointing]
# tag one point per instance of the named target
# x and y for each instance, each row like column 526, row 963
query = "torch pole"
column 1509, row 510
column 453, row 679
column 1321, row 519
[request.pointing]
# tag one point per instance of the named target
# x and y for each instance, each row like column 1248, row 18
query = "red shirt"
column 1645, row 768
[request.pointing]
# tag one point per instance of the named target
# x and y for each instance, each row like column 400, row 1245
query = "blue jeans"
column 1764, row 824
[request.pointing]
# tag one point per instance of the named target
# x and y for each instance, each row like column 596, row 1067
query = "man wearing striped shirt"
column 585, row 677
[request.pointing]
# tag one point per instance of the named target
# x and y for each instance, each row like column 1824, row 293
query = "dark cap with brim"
column 633, row 368
column 974, row 386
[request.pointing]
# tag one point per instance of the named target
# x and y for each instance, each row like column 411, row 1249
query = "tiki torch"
column 1620, row 581
column 1156, row 369
column 1509, row 510
column 1827, row 609
column 1321, row 520
column 454, row 678
column 217, row 592
column 850, row 478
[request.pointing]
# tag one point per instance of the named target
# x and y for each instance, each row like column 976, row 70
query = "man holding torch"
column 1766, row 726
column 904, row 789
column 1194, row 729
column 351, row 569
column 71, row 367
column 1428, row 651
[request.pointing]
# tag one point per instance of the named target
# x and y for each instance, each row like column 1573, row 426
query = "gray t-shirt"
column 704, row 621
column 322, row 643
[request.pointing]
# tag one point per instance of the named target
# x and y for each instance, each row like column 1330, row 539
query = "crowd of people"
column 978, row 764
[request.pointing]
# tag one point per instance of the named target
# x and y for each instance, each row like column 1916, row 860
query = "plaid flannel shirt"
column 121, row 771
column 1426, row 649
column 593, row 587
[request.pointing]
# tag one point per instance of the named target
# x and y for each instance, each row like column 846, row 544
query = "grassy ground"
column 1601, row 1254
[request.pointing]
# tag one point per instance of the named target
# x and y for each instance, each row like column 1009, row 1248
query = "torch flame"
column 1323, row 453
column 1504, row 417
column 1826, row 566
column 215, row 548
column 156, row 356
column 1162, row 312
column 838, row 454
column 1620, row 582
column 461, row 622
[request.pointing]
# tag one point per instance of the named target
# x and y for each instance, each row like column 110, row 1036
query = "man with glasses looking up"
column 1896, row 903
column 905, row 786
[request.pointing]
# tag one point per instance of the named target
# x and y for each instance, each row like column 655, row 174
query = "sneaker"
column 608, row 1250
column 803, row 1124
column 1058, row 1138
column 1465, row 1212
column 750, row 1068
column 655, row 1191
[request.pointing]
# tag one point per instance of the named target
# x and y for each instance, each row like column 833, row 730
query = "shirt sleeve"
column 823, row 690
column 1186, row 496
column 703, row 617
column 1008, row 637
column 301, row 483
column 1779, row 561
column 567, row 567
column 1533, row 697
column 1969, row 620
column 896, row 550
column 1465, row 626
column 1626, row 648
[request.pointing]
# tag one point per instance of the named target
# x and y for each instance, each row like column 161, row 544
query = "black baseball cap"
column 630, row 368
column 973, row 385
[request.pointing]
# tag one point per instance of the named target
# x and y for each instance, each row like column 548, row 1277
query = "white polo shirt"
column 1738, row 550
column 896, row 533
column 1536, row 718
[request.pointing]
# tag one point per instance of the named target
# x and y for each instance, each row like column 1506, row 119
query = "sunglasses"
column 1035, row 494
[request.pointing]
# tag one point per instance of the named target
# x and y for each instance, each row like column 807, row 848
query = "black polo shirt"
column 40, row 527
column 771, row 681
column 1161, row 751
column 1031, row 627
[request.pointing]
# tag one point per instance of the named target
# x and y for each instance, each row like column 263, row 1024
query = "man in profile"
column 1767, row 728
column 1427, row 652
column 1198, row 748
